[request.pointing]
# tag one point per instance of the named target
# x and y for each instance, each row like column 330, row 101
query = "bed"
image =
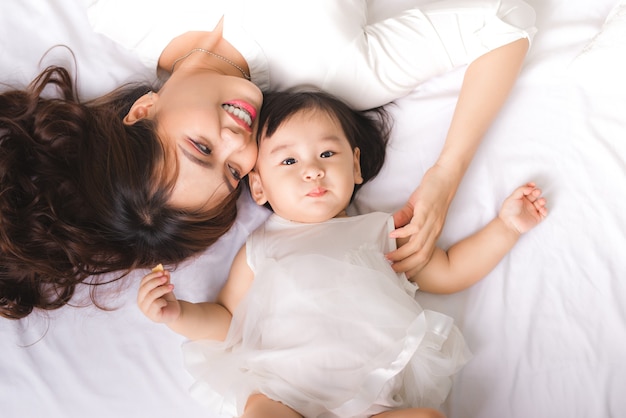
column 547, row 327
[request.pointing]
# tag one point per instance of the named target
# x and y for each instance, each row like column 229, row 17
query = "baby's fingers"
column 540, row 206
column 533, row 194
column 156, row 300
column 148, row 278
column 153, row 286
column 154, row 310
column 527, row 190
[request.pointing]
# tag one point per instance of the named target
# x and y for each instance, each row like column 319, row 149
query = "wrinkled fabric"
column 328, row 328
column 326, row 44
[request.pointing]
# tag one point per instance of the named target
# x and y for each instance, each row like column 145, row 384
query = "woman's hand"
column 421, row 220
column 486, row 85
column 156, row 297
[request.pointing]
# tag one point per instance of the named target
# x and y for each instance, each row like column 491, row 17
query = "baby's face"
column 306, row 170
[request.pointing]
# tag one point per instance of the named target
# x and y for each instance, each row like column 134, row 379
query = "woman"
column 144, row 176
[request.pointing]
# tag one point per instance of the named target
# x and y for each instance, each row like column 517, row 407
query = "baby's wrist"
column 509, row 227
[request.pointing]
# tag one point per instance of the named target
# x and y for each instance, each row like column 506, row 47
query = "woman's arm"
column 472, row 258
column 486, row 85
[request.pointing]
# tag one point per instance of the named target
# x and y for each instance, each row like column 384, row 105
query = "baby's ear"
column 256, row 188
column 358, row 176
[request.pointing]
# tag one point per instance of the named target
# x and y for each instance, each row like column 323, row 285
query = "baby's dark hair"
column 369, row 130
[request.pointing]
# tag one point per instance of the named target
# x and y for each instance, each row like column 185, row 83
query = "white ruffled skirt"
column 350, row 343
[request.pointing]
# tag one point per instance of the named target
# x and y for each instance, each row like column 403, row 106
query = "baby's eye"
column 288, row 161
column 201, row 147
column 327, row 154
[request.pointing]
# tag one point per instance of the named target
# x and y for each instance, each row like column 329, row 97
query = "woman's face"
column 208, row 121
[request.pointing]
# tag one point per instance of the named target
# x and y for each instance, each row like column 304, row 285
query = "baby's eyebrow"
column 332, row 138
column 279, row 148
column 327, row 138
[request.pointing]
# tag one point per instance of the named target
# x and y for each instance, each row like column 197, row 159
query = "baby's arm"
column 205, row 320
column 472, row 258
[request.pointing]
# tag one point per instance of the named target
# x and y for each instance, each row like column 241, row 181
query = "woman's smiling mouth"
column 242, row 113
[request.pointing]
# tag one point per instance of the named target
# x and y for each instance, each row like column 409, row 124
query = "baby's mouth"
column 317, row 192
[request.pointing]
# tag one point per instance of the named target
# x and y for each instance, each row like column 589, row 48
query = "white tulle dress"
column 328, row 328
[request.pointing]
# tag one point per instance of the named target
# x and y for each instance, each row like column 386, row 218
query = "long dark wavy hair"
column 82, row 194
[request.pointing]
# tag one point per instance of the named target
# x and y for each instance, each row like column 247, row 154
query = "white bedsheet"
column 547, row 327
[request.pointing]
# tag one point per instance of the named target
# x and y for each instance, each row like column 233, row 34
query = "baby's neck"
column 342, row 214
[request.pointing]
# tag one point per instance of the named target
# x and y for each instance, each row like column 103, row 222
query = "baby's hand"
column 524, row 209
column 156, row 297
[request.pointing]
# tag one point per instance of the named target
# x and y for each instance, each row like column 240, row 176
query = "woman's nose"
column 236, row 140
column 241, row 149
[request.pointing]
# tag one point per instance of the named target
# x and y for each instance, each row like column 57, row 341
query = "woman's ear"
column 256, row 188
column 358, row 177
column 142, row 108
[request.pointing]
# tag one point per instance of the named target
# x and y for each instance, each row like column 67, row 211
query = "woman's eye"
column 234, row 173
column 288, row 161
column 327, row 154
column 201, row 147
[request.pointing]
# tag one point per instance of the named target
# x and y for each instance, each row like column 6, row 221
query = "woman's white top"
column 328, row 45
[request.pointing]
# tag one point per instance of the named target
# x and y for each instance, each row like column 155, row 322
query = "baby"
column 313, row 321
